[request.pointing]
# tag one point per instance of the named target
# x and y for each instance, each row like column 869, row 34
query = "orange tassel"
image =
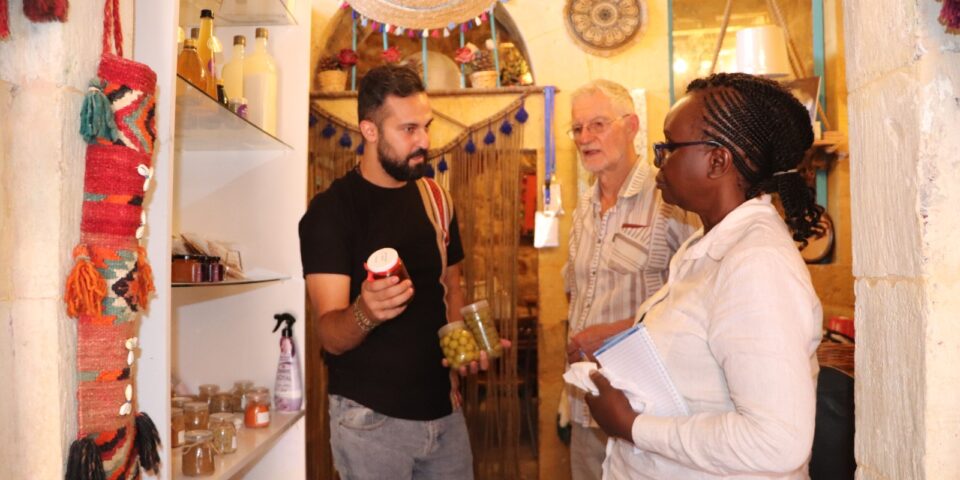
column 145, row 284
column 86, row 289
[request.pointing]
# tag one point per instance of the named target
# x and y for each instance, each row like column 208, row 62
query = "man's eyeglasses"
column 662, row 149
column 595, row 127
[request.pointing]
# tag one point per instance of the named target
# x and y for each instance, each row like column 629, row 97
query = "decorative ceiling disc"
column 605, row 27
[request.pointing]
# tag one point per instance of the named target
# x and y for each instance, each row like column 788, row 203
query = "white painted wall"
column 903, row 76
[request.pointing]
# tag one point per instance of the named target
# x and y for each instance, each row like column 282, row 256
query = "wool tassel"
column 147, row 443
column 96, row 115
column 86, row 289
column 84, row 461
column 46, row 10
column 4, row 20
column 145, row 284
column 950, row 14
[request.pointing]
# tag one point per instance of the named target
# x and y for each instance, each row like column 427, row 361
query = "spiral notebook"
column 632, row 356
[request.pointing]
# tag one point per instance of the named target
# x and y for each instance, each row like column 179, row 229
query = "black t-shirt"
column 396, row 370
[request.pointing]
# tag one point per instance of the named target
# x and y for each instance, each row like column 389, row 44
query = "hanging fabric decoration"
column 345, row 140
column 430, row 173
column 522, row 115
column 489, row 138
column 505, row 127
column 360, row 148
column 313, row 120
column 442, row 165
column 950, row 14
column 111, row 282
column 470, row 147
column 328, row 131
column 46, row 10
column 4, row 20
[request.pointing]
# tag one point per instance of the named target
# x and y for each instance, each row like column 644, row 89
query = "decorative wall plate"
column 605, row 27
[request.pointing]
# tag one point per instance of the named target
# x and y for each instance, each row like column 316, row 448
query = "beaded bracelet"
column 365, row 324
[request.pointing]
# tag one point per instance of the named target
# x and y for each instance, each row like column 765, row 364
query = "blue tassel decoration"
column 345, row 140
column 505, row 127
column 471, row 147
column 489, row 138
column 313, row 120
column 96, row 115
column 442, row 166
column 430, row 173
column 360, row 149
column 328, row 131
column 522, row 115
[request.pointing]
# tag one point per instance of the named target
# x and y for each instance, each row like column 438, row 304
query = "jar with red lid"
column 385, row 263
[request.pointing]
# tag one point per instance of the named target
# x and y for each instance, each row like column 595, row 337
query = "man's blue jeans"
column 370, row 446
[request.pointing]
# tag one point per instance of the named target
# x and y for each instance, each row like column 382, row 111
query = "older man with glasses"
column 622, row 240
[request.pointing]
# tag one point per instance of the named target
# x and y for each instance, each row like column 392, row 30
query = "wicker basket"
column 332, row 80
column 483, row 79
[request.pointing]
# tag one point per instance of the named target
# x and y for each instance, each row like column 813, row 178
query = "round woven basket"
column 420, row 14
column 332, row 80
column 483, row 79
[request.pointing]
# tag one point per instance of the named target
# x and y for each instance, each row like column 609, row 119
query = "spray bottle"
column 288, row 391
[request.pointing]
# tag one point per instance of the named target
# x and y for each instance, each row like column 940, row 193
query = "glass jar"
column 177, row 427
column 459, row 347
column 180, row 401
column 480, row 322
column 224, row 432
column 206, row 391
column 240, row 387
column 257, row 414
column 186, row 269
column 196, row 416
column 198, row 454
column 221, row 402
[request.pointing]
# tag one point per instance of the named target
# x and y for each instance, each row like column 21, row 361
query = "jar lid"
column 209, row 386
column 245, row 384
column 475, row 307
column 263, row 390
column 450, row 327
column 382, row 260
column 183, row 257
column 194, row 436
column 257, row 397
column 195, row 406
column 222, row 417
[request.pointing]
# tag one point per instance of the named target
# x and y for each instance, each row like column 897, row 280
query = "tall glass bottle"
column 204, row 48
column 233, row 70
column 260, row 85
column 189, row 66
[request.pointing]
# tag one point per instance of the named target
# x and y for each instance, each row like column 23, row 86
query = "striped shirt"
column 618, row 259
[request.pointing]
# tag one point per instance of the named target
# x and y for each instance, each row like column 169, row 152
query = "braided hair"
column 767, row 130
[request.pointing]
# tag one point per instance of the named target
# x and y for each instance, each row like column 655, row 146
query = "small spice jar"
column 240, row 387
column 198, row 454
column 179, row 402
column 213, row 269
column 459, row 347
column 221, row 402
column 257, row 414
column 196, row 416
column 177, row 427
column 206, row 391
column 224, row 432
column 186, row 269
column 480, row 322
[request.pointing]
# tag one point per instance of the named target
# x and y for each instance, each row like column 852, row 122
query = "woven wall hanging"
column 605, row 27
column 108, row 288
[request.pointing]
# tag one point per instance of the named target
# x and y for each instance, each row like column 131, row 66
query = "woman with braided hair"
column 738, row 322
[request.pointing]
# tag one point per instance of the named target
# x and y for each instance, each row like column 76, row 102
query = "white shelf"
column 252, row 277
column 252, row 445
column 203, row 124
column 256, row 13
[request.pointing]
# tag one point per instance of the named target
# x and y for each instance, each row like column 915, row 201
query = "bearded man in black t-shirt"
column 391, row 414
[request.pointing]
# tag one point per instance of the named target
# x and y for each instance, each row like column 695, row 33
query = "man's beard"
column 401, row 170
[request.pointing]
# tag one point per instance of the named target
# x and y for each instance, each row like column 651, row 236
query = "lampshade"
column 762, row 51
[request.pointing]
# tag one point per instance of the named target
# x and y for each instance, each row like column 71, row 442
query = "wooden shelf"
column 203, row 124
column 257, row 13
column 252, row 445
column 252, row 277
column 830, row 141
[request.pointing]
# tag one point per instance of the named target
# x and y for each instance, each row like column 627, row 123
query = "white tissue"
column 578, row 375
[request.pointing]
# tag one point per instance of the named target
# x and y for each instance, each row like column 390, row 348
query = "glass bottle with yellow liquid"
column 205, row 50
column 189, row 65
